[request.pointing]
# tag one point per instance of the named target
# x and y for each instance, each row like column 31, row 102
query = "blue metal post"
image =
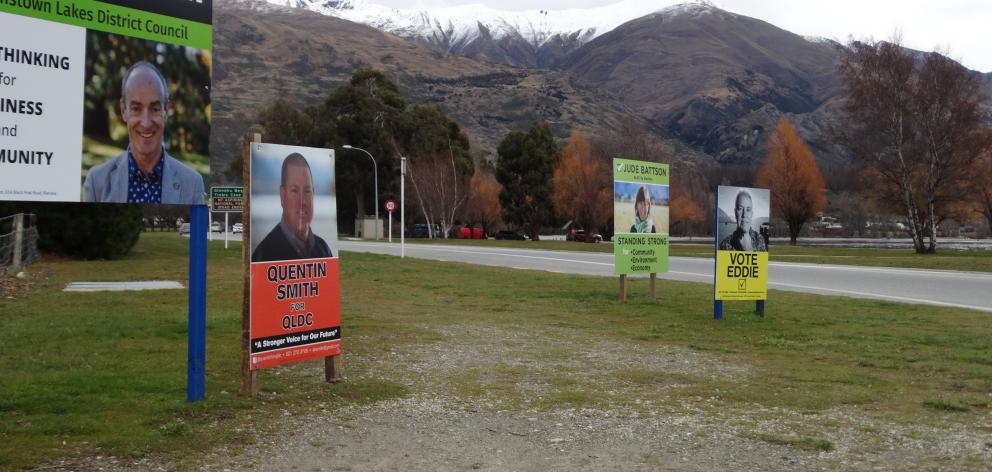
column 717, row 304
column 197, row 340
column 759, row 308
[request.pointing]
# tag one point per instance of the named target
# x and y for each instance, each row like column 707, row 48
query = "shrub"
column 83, row 230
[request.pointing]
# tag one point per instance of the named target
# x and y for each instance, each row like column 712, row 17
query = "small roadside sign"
column 390, row 205
column 227, row 199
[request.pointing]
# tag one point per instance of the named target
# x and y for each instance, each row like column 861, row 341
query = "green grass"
column 104, row 373
column 91, row 372
column 800, row 442
column 980, row 261
column 942, row 404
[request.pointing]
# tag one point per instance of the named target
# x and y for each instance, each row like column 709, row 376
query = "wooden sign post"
column 623, row 288
column 249, row 377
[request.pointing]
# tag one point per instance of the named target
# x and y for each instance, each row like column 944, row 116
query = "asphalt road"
column 931, row 287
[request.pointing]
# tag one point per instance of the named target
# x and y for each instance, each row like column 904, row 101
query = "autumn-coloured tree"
column 981, row 188
column 691, row 194
column 582, row 184
column 482, row 206
column 918, row 120
column 795, row 182
column 684, row 211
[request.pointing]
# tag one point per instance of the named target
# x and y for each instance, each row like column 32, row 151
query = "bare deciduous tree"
column 439, row 188
column 918, row 120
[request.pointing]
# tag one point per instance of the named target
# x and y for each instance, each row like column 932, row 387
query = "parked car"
column 421, row 230
column 510, row 235
column 827, row 223
column 580, row 235
column 238, row 228
column 216, row 227
column 470, row 233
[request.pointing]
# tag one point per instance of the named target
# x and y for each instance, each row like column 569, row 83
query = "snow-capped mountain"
column 527, row 38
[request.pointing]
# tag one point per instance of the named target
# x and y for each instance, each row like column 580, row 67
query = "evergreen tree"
column 370, row 113
column 526, row 164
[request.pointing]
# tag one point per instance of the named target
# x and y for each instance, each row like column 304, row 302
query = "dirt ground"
column 438, row 427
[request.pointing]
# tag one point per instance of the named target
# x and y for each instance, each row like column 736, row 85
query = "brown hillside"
column 262, row 52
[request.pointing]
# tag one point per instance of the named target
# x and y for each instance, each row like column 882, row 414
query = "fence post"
column 18, row 241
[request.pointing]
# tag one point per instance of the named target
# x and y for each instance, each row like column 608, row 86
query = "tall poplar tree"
column 795, row 182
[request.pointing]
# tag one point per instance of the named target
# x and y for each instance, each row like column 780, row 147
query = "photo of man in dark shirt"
column 292, row 237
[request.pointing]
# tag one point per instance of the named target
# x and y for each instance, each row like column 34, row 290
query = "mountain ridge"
column 264, row 52
column 709, row 83
column 530, row 38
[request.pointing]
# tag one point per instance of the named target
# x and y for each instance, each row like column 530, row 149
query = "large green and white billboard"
column 640, row 216
column 105, row 101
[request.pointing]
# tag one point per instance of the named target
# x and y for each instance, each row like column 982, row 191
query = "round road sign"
column 390, row 205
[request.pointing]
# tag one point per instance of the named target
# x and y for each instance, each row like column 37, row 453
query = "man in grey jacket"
column 144, row 173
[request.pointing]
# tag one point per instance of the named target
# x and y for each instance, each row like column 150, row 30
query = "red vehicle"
column 580, row 235
column 470, row 233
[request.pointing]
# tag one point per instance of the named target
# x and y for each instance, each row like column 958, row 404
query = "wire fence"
column 18, row 243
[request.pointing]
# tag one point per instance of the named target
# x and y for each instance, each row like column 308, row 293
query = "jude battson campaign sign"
column 640, row 216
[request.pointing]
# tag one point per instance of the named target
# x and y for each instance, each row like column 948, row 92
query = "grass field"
column 89, row 374
column 980, row 261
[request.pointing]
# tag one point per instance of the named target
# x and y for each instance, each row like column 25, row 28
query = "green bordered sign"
column 60, row 66
column 185, row 22
column 227, row 199
column 640, row 216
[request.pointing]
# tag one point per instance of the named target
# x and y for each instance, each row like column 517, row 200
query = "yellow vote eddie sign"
column 743, row 219
column 741, row 275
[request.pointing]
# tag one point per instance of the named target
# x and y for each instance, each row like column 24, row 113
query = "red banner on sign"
column 295, row 311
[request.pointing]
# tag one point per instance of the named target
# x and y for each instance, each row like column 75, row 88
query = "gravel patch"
column 505, row 426
column 425, row 432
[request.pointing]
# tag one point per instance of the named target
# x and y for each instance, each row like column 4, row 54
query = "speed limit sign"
column 390, row 205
